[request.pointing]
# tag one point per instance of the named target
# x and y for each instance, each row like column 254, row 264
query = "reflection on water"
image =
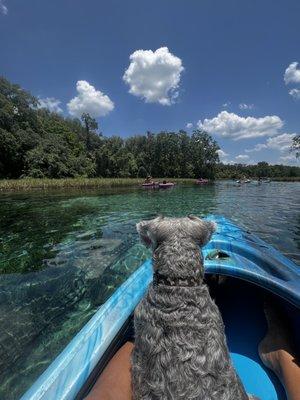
column 63, row 254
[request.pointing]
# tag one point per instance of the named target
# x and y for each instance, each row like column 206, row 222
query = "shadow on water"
column 62, row 254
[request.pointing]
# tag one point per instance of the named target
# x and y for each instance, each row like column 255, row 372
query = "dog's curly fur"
column 180, row 347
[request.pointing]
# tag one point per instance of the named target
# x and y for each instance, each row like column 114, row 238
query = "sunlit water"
column 62, row 254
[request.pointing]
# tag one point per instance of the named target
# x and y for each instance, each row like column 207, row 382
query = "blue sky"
column 232, row 65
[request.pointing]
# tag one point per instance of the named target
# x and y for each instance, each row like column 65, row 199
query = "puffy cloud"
column 222, row 153
column 242, row 157
column 244, row 106
column 51, row 104
column 295, row 93
column 230, row 162
column 223, row 156
column 281, row 143
column 289, row 159
column 189, row 125
column 292, row 73
column 89, row 100
column 154, row 75
column 257, row 147
column 3, row 8
column 230, row 125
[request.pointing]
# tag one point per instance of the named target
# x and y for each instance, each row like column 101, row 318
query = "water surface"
column 62, row 254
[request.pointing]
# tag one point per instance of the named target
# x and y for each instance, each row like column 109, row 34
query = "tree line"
column 260, row 170
column 37, row 143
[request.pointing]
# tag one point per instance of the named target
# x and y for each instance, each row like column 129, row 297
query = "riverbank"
column 287, row 179
column 85, row 183
column 7, row 185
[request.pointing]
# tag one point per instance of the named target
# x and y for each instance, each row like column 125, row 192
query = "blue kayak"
column 254, row 270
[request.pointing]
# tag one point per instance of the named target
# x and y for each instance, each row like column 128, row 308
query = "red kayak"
column 150, row 185
column 201, row 181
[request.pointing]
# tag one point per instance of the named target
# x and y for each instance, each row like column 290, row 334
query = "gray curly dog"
column 180, row 347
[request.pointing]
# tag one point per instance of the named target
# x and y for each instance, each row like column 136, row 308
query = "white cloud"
column 154, row 76
column 242, row 157
column 292, row 73
column 223, row 156
column 3, row 8
column 244, row 106
column 51, row 104
column 281, row 143
column 222, row 153
column 230, row 162
column 189, row 125
column 230, row 125
column 295, row 93
column 89, row 100
column 257, row 147
column 289, row 157
column 227, row 104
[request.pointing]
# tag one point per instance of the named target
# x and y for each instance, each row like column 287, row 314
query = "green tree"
column 37, row 142
column 296, row 145
column 204, row 154
column 53, row 158
column 90, row 125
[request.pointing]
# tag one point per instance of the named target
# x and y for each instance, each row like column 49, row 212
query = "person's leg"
column 277, row 353
column 115, row 381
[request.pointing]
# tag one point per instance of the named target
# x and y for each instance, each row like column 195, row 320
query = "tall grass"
column 287, row 179
column 32, row 183
column 86, row 183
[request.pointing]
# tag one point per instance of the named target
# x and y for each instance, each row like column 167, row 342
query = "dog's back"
column 180, row 347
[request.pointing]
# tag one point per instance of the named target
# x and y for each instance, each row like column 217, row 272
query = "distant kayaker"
column 148, row 179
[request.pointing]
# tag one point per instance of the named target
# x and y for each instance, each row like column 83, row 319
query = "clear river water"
column 63, row 253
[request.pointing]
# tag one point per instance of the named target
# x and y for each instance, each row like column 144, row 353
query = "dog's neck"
column 159, row 279
column 178, row 262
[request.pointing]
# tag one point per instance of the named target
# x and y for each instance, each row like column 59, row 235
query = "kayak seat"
column 241, row 305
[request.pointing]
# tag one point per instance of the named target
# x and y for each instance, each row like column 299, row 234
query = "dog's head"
column 155, row 231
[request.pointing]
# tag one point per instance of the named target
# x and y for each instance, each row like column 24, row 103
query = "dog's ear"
column 148, row 231
column 202, row 230
column 144, row 228
column 207, row 229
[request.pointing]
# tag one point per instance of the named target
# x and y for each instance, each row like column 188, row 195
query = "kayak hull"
column 166, row 185
column 153, row 185
column 202, row 181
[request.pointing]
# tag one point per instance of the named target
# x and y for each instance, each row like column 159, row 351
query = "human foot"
column 275, row 346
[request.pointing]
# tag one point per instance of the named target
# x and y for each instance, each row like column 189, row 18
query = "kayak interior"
column 241, row 304
column 120, row 339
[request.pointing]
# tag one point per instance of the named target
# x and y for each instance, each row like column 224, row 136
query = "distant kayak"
column 243, row 181
column 166, row 185
column 150, row 185
column 264, row 181
column 202, row 181
column 158, row 185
